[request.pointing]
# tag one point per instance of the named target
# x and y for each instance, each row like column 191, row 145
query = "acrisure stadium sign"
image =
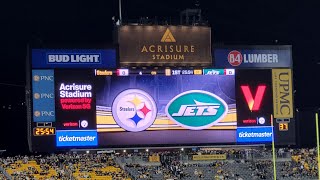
column 164, row 45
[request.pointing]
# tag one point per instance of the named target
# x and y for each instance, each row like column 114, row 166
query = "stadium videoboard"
column 79, row 107
column 116, row 108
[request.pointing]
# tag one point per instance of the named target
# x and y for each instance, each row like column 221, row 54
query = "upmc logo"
column 253, row 103
column 282, row 93
column 235, row 58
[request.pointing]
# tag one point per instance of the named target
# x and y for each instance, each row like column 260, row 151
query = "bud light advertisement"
column 75, row 58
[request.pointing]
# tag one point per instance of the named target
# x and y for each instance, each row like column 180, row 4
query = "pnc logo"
column 134, row 110
column 168, row 37
column 253, row 103
column 36, row 78
column 196, row 109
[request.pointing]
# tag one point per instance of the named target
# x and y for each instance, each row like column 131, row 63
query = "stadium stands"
column 237, row 165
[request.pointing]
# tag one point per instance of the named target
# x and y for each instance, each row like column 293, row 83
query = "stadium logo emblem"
column 36, row 78
column 134, row 110
column 235, row 58
column 37, row 113
column 84, row 123
column 36, row 95
column 168, row 37
column 196, row 109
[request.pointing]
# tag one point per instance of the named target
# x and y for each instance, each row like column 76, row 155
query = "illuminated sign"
column 74, row 138
column 254, row 134
column 75, row 96
column 253, row 103
column 44, row 131
column 164, row 45
column 283, row 126
column 75, row 58
column 43, row 95
column 282, row 93
column 253, row 57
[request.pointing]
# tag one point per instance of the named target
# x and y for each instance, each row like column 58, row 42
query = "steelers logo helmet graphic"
column 84, row 123
column 134, row 110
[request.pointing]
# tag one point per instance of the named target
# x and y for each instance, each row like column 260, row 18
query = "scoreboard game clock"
column 44, row 131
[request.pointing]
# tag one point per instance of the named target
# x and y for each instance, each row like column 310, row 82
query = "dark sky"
column 76, row 22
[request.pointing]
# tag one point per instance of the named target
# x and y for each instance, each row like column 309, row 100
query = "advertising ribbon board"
column 209, row 157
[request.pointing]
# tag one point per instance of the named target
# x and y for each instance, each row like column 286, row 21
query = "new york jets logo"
column 196, row 109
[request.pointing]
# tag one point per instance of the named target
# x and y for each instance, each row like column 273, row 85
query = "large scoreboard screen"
column 93, row 104
column 113, row 108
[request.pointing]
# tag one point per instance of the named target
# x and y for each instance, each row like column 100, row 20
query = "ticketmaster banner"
column 76, row 58
column 73, row 138
column 253, row 57
column 254, row 134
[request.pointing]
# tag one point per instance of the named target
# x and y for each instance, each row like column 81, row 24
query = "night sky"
column 76, row 22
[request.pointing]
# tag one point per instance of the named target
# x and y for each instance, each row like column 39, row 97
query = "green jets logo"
column 196, row 109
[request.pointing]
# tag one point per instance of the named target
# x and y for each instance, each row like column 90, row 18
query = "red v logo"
column 253, row 103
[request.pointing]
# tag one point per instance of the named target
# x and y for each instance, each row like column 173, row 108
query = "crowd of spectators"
column 63, row 166
column 238, row 165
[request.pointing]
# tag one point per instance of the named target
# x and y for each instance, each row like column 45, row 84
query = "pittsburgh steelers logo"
column 134, row 110
column 84, row 123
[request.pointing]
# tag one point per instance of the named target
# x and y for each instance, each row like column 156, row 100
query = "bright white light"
column 87, row 152
column 147, row 150
column 182, row 149
column 124, row 151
